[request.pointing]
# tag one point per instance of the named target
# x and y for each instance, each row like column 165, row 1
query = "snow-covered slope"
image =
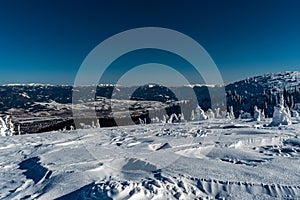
column 273, row 82
column 214, row 159
column 264, row 92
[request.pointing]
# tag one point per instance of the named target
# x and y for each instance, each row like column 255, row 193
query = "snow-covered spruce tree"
column 297, row 107
column 173, row 118
column 10, row 125
column 93, row 124
column 200, row 114
column 294, row 113
column 155, row 120
column 210, row 114
column 281, row 115
column 257, row 114
column 164, row 119
column 193, row 116
column 2, row 127
column 263, row 116
column 141, row 122
column 224, row 114
column 98, row 123
column 181, row 118
column 19, row 129
column 231, row 113
column 6, row 126
column 217, row 113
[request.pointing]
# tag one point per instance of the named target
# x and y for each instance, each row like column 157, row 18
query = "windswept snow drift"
column 160, row 161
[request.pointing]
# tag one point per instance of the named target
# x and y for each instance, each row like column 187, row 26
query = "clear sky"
column 46, row 41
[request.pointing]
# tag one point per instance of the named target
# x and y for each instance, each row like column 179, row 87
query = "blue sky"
column 46, row 41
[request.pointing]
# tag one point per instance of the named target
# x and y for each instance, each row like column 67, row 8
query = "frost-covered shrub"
column 85, row 126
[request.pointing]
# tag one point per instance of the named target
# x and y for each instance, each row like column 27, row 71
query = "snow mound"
column 164, row 146
column 135, row 165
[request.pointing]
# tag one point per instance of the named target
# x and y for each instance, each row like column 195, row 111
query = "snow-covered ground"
column 214, row 159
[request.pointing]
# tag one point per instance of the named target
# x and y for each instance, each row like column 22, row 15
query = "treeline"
column 266, row 100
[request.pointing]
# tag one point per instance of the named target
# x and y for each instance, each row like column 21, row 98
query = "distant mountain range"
column 24, row 95
column 23, row 100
